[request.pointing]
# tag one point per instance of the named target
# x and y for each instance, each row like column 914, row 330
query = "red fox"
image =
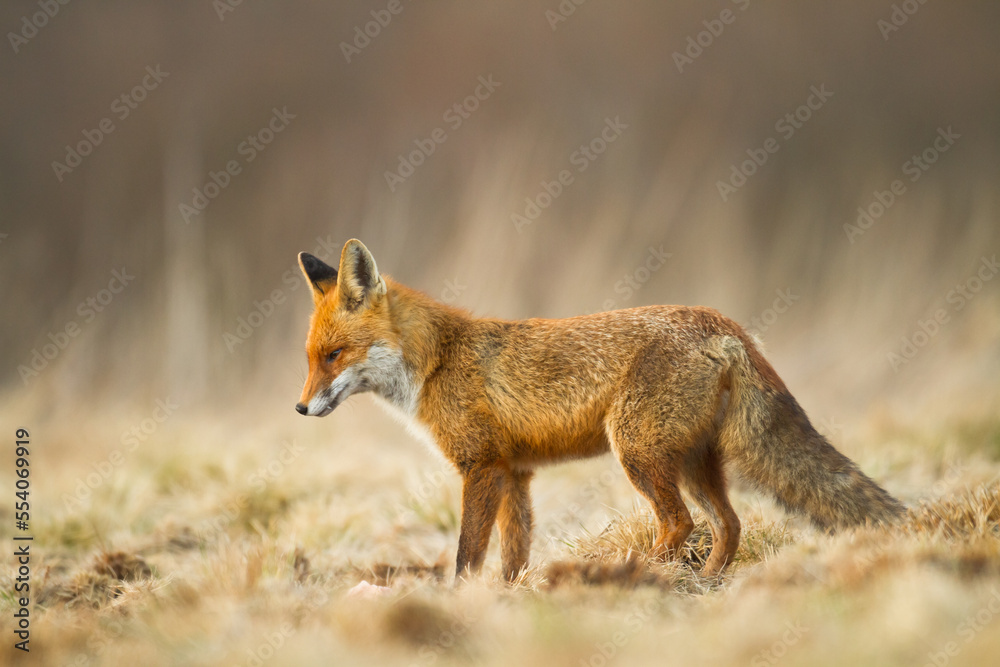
column 674, row 392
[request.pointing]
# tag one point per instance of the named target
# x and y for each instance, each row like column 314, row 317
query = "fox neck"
column 425, row 327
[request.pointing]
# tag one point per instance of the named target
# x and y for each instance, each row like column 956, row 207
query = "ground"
column 212, row 545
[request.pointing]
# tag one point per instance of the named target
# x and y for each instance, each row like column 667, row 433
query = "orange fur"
column 674, row 392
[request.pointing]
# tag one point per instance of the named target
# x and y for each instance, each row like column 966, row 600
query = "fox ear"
column 321, row 276
column 360, row 281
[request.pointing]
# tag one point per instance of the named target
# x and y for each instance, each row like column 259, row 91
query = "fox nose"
column 301, row 408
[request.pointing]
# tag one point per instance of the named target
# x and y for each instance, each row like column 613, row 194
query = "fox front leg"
column 481, row 492
column 514, row 520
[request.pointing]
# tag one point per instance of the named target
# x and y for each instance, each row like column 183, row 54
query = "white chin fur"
column 319, row 406
column 397, row 390
column 383, row 372
column 387, row 375
column 325, row 401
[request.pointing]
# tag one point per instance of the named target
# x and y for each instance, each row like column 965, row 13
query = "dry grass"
column 629, row 536
column 972, row 515
column 170, row 578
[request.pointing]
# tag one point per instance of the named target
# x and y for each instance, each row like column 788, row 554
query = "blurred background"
column 825, row 174
column 119, row 116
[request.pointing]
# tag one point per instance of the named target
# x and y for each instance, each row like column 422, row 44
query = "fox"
column 678, row 394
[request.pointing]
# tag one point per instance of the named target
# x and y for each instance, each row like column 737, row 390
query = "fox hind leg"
column 704, row 480
column 655, row 427
column 655, row 478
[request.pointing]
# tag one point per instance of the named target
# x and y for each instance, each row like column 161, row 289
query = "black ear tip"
column 310, row 262
column 316, row 269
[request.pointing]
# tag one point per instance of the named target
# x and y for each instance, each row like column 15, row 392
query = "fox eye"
column 330, row 358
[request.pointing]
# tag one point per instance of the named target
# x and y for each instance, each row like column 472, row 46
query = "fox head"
column 352, row 346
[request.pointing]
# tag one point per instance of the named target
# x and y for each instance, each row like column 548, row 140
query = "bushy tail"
column 770, row 440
